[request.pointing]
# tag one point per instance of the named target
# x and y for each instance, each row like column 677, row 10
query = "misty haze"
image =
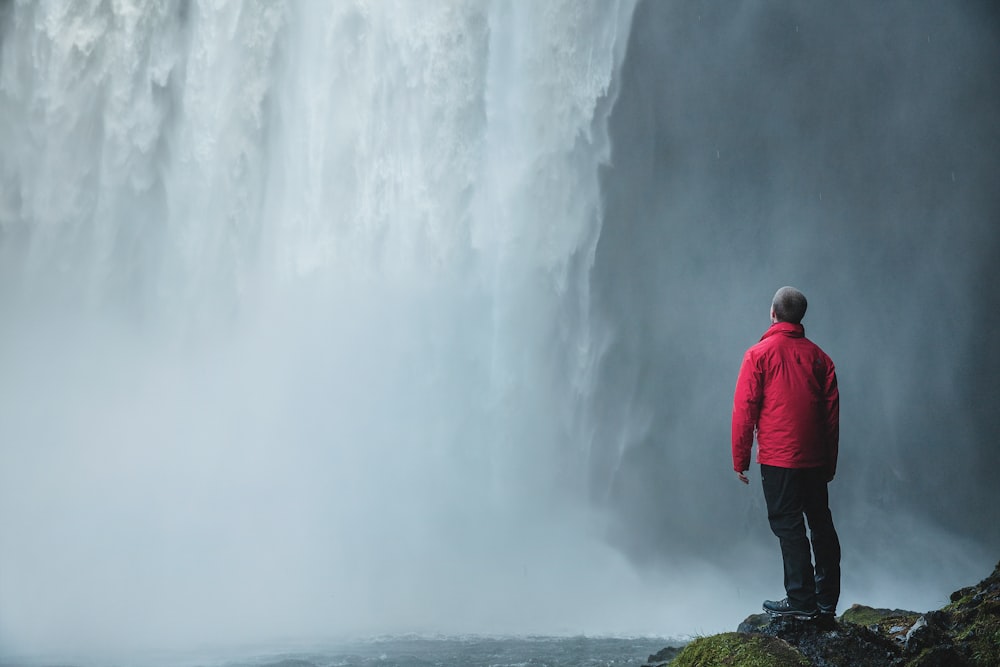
column 323, row 321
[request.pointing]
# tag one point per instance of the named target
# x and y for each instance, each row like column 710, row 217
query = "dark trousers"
column 791, row 493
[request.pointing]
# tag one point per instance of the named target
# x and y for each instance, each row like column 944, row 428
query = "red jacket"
column 787, row 392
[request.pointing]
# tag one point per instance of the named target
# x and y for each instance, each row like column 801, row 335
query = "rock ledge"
column 965, row 633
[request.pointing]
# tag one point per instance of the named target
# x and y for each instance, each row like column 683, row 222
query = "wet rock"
column 965, row 633
column 662, row 657
column 826, row 642
column 754, row 623
column 913, row 634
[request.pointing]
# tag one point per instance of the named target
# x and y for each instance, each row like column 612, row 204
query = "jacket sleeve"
column 746, row 410
column 832, row 418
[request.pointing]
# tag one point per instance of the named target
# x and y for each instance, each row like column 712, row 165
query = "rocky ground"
column 965, row 632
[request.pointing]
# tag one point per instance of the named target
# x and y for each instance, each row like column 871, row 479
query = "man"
column 787, row 393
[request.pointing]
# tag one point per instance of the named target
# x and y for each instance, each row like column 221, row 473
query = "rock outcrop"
column 965, row 632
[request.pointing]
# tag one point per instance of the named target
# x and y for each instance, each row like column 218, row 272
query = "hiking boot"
column 784, row 609
column 826, row 609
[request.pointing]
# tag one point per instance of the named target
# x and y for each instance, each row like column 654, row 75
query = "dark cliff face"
column 850, row 150
column 965, row 632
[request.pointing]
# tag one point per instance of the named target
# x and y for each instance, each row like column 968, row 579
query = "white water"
column 296, row 328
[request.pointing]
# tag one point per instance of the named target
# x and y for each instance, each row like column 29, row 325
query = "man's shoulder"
column 813, row 344
column 769, row 342
column 820, row 354
column 760, row 353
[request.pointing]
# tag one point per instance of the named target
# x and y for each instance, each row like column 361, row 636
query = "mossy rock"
column 974, row 619
column 965, row 633
column 739, row 649
column 894, row 623
column 859, row 614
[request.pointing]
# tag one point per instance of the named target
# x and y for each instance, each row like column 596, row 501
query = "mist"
column 332, row 320
column 850, row 151
column 296, row 324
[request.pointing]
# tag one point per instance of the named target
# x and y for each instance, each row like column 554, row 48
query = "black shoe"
column 826, row 609
column 784, row 609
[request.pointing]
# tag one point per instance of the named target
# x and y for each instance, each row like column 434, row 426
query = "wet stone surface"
column 966, row 632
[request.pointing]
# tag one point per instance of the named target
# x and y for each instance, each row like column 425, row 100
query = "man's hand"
column 743, row 478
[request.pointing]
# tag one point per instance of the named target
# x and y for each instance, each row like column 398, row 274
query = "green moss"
column 885, row 619
column 739, row 649
column 974, row 616
column 960, row 600
column 983, row 638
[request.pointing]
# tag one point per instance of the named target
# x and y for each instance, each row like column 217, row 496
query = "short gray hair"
column 789, row 305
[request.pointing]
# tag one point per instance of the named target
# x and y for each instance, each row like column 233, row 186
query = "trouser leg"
column 783, row 494
column 825, row 544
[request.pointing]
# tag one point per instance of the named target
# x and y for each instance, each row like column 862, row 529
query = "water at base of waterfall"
column 408, row 651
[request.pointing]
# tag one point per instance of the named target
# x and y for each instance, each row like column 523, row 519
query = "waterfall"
column 297, row 332
column 321, row 319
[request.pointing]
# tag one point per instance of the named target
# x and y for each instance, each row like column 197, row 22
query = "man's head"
column 788, row 305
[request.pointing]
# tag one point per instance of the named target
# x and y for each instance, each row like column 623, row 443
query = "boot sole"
column 801, row 616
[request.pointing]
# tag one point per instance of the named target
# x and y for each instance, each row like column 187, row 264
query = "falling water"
column 324, row 319
column 296, row 330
